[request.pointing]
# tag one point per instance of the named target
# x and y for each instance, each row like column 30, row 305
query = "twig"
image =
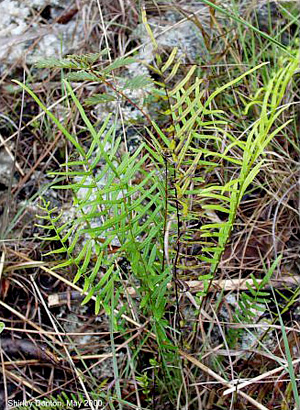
column 238, row 387
column 27, row 347
column 19, row 379
column 194, row 286
column 211, row 373
column 3, row 142
column 26, row 320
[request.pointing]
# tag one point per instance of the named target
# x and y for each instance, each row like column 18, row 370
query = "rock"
column 170, row 32
column 268, row 18
column 24, row 34
column 267, row 14
column 6, row 164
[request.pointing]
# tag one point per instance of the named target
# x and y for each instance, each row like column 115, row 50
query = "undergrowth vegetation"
column 153, row 226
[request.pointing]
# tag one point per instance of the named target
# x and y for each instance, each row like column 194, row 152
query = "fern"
column 253, row 302
column 72, row 61
column 137, row 83
column 99, row 99
column 113, row 210
column 112, row 217
column 193, row 143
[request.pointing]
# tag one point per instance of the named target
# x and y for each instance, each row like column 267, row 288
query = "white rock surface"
column 185, row 35
column 23, row 36
column 6, row 164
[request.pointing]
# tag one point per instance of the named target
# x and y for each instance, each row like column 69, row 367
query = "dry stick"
column 3, row 142
column 257, row 326
column 19, row 379
column 45, row 332
column 3, row 372
column 221, row 380
column 46, row 152
column 22, row 363
column 32, row 362
column 18, row 167
column 194, row 286
column 90, row 356
column 258, row 378
column 2, row 260
column 15, row 312
column 27, row 347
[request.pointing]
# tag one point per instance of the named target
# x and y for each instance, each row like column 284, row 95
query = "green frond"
column 170, row 61
column 99, row 99
column 65, row 63
column 82, row 76
column 137, row 83
column 254, row 300
column 118, row 63
column 72, row 62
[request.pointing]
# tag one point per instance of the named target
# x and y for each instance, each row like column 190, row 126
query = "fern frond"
column 254, row 301
column 109, row 209
column 82, row 75
column 137, row 83
column 99, row 99
column 118, row 63
column 72, row 61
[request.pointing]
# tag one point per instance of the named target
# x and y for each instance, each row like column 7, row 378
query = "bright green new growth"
column 127, row 209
